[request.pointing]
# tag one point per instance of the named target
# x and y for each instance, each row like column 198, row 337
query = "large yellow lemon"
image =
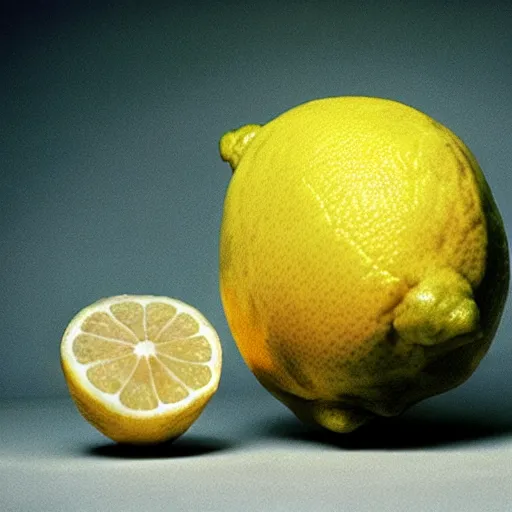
column 363, row 262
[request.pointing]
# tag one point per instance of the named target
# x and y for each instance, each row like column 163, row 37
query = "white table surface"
column 247, row 452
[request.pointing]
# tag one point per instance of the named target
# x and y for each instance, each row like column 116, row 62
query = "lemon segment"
column 141, row 368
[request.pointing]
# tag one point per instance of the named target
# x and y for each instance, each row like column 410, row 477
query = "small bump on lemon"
column 234, row 143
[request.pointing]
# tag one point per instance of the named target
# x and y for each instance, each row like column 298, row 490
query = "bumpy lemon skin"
column 324, row 237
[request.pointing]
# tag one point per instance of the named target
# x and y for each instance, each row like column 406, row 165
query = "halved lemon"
column 141, row 368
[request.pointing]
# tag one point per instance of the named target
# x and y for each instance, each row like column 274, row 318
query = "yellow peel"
column 363, row 260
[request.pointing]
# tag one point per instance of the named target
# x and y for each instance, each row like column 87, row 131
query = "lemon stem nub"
column 233, row 144
column 438, row 309
column 338, row 418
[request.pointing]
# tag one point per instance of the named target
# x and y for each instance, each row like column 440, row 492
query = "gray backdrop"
column 110, row 179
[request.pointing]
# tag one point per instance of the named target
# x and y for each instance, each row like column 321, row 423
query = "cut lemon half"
column 141, row 368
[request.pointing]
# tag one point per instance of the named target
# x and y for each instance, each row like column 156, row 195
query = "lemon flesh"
column 363, row 261
column 141, row 368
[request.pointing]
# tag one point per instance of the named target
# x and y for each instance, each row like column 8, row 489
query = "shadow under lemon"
column 188, row 446
column 421, row 427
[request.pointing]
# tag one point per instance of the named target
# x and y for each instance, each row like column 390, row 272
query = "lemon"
column 141, row 368
column 363, row 261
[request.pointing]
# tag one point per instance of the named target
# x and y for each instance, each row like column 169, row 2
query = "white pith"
column 144, row 348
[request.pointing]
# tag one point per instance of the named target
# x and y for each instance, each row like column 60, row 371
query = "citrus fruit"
column 141, row 368
column 363, row 261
